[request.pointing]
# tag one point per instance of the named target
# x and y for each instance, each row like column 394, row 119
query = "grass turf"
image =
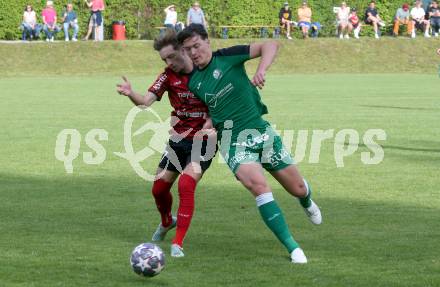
column 327, row 55
column 380, row 222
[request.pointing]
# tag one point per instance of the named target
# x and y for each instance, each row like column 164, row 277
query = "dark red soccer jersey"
column 190, row 111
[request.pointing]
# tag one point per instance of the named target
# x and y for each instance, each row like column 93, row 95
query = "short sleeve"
column 159, row 86
column 234, row 55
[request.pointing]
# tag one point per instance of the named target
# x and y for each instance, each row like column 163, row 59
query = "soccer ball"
column 147, row 259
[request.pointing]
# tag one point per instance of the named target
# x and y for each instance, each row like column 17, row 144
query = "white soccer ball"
column 147, row 259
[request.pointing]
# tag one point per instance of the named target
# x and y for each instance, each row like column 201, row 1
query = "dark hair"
column 25, row 7
column 191, row 31
column 168, row 38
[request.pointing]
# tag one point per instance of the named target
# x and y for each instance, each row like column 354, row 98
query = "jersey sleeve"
column 159, row 86
column 235, row 55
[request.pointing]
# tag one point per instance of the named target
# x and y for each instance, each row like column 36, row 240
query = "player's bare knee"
column 300, row 190
column 255, row 186
column 258, row 186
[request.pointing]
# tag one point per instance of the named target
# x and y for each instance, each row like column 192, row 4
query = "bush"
column 142, row 16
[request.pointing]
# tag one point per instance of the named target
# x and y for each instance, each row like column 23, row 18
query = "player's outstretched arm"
column 267, row 51
column 137, row 99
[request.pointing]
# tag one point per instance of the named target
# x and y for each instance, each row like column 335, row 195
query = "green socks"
column 274, row 219
column 306, row 201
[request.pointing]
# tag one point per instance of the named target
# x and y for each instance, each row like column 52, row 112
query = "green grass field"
column 381, row 222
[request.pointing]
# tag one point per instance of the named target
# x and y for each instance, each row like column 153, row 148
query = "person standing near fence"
column 196, row 16
column 96, row 20
column 170, row 17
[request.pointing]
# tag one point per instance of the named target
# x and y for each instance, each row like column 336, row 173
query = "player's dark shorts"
column 178, row 155
column 419, row 25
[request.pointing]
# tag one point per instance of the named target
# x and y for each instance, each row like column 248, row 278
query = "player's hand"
column 259, row 79
column 124, row 88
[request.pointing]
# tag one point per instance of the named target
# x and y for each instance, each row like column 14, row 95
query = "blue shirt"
column 69, row 16
column 195, row 16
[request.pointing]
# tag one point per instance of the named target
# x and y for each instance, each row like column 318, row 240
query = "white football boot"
column 298, row 256
column 177, row 251
column 161, row 231
column 314, row 213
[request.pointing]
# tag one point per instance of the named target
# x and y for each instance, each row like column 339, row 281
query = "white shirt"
column 30, row 17
column 343, row 14
column 171, row 17
column 418, row 13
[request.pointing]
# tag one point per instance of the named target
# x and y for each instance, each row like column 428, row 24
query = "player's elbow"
column 271, row 45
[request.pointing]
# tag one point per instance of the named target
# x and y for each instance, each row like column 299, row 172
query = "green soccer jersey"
column 225, row 88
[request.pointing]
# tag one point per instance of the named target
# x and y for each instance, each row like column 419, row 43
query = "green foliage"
column 11, row 15
column 143, row 17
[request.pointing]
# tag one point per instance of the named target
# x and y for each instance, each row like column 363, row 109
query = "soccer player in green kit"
column 247, row 141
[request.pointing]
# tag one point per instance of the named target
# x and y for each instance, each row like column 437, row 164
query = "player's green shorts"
column 258, row 145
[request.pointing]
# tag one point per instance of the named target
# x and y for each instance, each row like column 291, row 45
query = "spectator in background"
column 354, row 23
column 30, row 26
column 285, row 17
column 434, row 14
column 426, row 4
column 171, row 17
column 50, row 27
column 419, row 21
column 372, row 18
column 70, row 20
column 402, row 18
column 305, row 19
column 196, row 15
column 316, row 27
column 344, row 28
column 96, row 7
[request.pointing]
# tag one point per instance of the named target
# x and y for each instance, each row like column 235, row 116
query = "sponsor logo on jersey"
column 217, row 74
column 159, row 82
column 211, row 99
column 252, row 142
column 177, row 83
column 185, row 95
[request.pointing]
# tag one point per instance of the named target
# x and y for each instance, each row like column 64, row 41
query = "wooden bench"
column 224, row 29
column 263, row 29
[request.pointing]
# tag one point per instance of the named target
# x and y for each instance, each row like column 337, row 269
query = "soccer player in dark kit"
column 192, row 117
